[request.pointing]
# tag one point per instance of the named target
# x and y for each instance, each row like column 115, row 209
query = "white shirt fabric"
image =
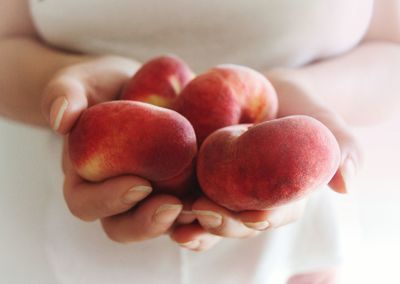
column 259, row 34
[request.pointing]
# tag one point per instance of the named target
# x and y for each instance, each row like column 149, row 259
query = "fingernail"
column 186, row 217
column 57, row 111
column 191, row 245
column 167, row 213
column 347, row 171
column 260, row 226
column 208, row 218
column 136, row 194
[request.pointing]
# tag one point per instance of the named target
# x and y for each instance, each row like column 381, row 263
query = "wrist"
column 298, row 96
column 296, row 93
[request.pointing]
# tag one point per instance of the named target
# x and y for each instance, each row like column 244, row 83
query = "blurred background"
column 22, row 230
column 378, row 195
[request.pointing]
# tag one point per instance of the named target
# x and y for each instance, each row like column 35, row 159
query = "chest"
column 281, row 32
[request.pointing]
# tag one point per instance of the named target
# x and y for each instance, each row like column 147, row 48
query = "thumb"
column 351, row 156
column 343, row 176
column 63, row 101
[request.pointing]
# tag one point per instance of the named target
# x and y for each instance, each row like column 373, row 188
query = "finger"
column 152, row 218
column 90, row 201
column 63, row 101
column 194, row 237
column 273, row 218
column 67, row 166
column 350, row 149
column 186, row 216
column 79, row 86
column 350, row 163
column 219, row 220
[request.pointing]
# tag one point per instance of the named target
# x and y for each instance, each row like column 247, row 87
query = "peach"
column 159, row 81
column 226, row 95
column 257, row 167
column 126, row 137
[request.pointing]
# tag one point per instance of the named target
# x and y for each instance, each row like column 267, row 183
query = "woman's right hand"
column 120, row 203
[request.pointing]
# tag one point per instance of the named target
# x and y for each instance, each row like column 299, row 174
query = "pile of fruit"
column 216, row 132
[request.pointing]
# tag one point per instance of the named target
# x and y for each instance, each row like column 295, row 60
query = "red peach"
column 246, row 167
column 226, row 95
column 159, row 81
column 126, row 137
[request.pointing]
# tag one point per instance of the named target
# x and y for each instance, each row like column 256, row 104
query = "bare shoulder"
column 385, row 21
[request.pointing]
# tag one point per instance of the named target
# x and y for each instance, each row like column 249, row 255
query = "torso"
column 258, row 33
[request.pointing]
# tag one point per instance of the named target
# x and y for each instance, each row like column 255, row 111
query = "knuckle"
column 113, row 234
column 54, row 88
column 77, row 212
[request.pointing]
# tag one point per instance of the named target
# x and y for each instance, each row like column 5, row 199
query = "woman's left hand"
column 216, row 222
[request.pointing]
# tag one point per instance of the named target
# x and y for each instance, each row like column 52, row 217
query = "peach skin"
column 159, row 81
column 125, row 137
column 263, row 166
column 226, row 95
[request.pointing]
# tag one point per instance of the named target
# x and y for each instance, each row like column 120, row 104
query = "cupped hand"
column 120, row 203
column 296, row 96
column 76, row 87
column 216, row 222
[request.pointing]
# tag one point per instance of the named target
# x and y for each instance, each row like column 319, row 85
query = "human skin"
column 27, row 68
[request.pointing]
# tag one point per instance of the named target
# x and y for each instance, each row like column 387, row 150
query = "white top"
column 260, row 34
column 256, row 33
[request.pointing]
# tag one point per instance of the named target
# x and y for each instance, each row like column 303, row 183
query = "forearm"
column 26, row 65
column 362, row 85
